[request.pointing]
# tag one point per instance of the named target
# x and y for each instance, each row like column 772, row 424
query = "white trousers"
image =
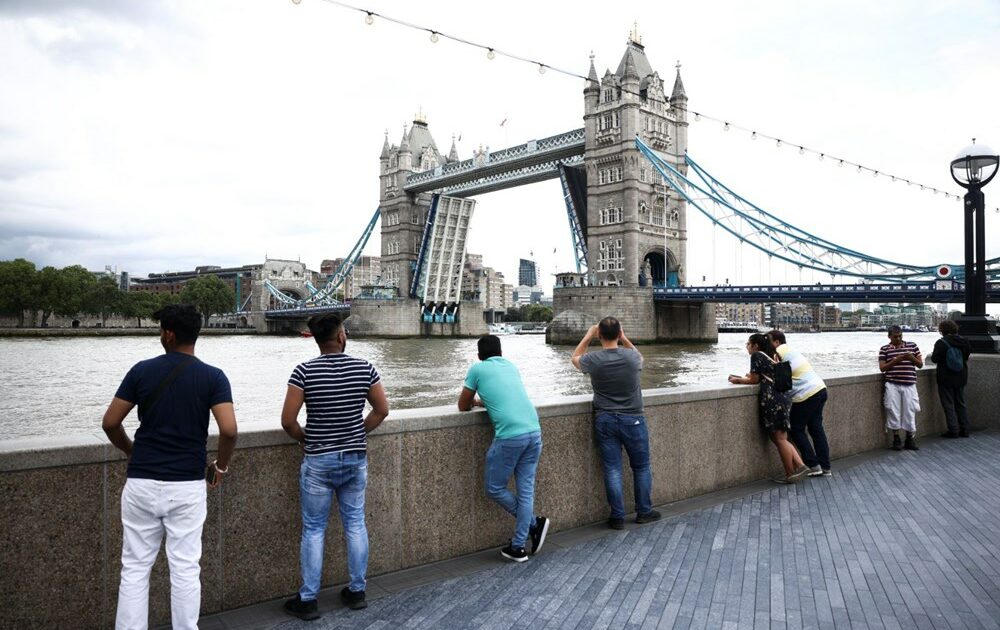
column 901, row 407
column 150, row 508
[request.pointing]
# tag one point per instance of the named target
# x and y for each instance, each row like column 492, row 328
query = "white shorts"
column 901, row 406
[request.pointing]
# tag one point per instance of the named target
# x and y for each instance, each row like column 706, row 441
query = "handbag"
column 782, row 380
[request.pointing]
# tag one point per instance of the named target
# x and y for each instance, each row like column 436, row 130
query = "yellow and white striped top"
column 805, row 381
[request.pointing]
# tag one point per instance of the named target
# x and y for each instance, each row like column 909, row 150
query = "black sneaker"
column 897, row 445
column 303, row 610
column 949, row 435
column 910, row 444
column 963, row 433
column 538, row 533
column 648, row 517
column 355, row 600
column 517, row 554
column 616, row 523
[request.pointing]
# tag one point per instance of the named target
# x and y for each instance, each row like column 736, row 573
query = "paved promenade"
column 892, row 540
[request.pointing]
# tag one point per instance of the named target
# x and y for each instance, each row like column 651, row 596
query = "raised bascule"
column 626, row 190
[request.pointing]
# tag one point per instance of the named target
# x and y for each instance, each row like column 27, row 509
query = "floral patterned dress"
column 774, row 405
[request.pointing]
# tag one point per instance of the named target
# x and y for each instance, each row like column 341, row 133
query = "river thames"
column 59, row 386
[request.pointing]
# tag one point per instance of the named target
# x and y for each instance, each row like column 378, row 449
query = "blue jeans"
column 808, row 414
column 516, row 456
column 345, row 474
column 615, row 430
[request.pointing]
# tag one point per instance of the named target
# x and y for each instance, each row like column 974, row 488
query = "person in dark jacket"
column 951, row 383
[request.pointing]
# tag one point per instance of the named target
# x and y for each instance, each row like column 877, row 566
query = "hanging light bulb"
column 490, row 54
column 697, row 116
column 369, row 18
column 434, row 37
column 802, row 151
column 541, row 68
column 859, row 168
column 821, row 155
column 875, row 174
column 296, row 1
column 893, row 178
column 726, row 126
column 753, row 136
column 841, row 163
column 778, row 143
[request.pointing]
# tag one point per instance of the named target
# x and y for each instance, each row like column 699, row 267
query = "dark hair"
column 948, row 327
column 894, row 329
column 776, row 336
column 183, row 320
column 762, row 342
column 324, row 327
column 609, row 329
column 489, row 346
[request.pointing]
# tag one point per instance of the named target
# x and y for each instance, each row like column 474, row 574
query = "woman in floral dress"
column 774, row 406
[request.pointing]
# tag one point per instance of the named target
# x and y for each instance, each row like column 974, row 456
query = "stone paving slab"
column 899, row 540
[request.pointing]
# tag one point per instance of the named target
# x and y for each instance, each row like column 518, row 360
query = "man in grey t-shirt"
column 618, row 417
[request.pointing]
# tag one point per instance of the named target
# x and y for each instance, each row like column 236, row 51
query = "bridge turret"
column 635, row 231
column 405, row 155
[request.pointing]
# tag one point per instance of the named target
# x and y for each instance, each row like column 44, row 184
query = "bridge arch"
column 660, row 268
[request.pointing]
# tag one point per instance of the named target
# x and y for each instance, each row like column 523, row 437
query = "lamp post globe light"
column 973, row 168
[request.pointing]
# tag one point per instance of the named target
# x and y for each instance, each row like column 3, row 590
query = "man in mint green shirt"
column 517, row 443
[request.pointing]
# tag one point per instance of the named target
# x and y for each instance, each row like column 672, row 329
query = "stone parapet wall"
column 60, row 529
column 579, row 308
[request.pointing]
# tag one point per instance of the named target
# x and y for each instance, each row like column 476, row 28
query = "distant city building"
column 239, row 279
column 523, row 295
column 486, row 285
column 121, row 278
column 527, row 274
column 825, row 316
column 367, row 271
column 791, row 316
column 753, row 314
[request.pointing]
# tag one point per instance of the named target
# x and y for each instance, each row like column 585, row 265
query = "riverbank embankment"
column 60, row 524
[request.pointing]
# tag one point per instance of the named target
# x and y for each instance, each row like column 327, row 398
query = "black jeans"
column 808, row 414
column 953, row 401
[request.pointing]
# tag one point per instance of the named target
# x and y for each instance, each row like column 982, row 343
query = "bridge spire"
column 678, row 92
column 592, row 75
column 385, row 147
column 453, row 154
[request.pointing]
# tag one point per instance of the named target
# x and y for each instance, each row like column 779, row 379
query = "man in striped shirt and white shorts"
column 899, row 361
column 334, row 387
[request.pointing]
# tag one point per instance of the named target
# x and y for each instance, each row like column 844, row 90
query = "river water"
column 58, row 386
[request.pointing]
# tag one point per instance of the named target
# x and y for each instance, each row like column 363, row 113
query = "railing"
column 945, row 291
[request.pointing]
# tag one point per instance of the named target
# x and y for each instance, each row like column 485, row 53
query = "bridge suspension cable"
column 779, row 239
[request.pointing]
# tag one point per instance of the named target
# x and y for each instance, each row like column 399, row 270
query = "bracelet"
column 221, row 471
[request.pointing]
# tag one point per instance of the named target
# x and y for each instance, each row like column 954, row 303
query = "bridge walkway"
column 892, row 540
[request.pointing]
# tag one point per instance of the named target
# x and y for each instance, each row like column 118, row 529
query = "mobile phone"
column 210, row 474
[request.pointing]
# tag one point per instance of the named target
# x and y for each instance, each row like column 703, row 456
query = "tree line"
column 529, row 313
column 73, row 291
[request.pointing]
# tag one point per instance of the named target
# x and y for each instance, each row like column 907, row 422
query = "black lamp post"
column 974, row 167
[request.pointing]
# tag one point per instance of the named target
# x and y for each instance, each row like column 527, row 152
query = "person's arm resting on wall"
column 581, row 348
column 112, row 424
column 380, row 407
column 467, row 399
column 294, row 398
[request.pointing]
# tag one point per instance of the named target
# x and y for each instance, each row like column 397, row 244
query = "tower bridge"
column 628, row 182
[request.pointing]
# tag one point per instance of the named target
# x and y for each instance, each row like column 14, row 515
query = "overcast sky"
column 158, row 136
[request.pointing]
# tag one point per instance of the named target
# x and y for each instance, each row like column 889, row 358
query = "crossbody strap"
column 773, row 362
column 164, row 384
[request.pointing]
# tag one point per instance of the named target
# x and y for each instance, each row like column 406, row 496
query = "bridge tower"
column 636, row 227
column 404, row 214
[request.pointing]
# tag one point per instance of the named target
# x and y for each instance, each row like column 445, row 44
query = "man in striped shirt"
column 899, row 361
column 334, row 387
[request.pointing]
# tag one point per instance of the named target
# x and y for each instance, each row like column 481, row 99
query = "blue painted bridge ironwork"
column 941, row 292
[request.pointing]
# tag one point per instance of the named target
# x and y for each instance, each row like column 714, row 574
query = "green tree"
column 166, row 299
column 49, row 280
column 105, row 299
column 18, row 288
column 538, row 313
column 140, row 305
column 75, row 287
column 209, row 295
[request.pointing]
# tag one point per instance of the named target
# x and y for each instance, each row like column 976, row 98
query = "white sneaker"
column 815, row 471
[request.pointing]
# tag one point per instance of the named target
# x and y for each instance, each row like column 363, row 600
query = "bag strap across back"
column 165, row 383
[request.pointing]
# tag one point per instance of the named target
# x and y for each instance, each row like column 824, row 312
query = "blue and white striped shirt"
column 335, row 387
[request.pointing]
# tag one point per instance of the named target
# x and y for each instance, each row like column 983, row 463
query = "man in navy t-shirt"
column 165, row 486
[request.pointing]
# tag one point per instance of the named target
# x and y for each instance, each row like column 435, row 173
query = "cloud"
column 128, row 10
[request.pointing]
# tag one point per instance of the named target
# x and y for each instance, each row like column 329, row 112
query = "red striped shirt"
column 904, row 372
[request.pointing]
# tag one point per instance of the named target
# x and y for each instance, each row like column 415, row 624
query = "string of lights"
column 435, row 35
